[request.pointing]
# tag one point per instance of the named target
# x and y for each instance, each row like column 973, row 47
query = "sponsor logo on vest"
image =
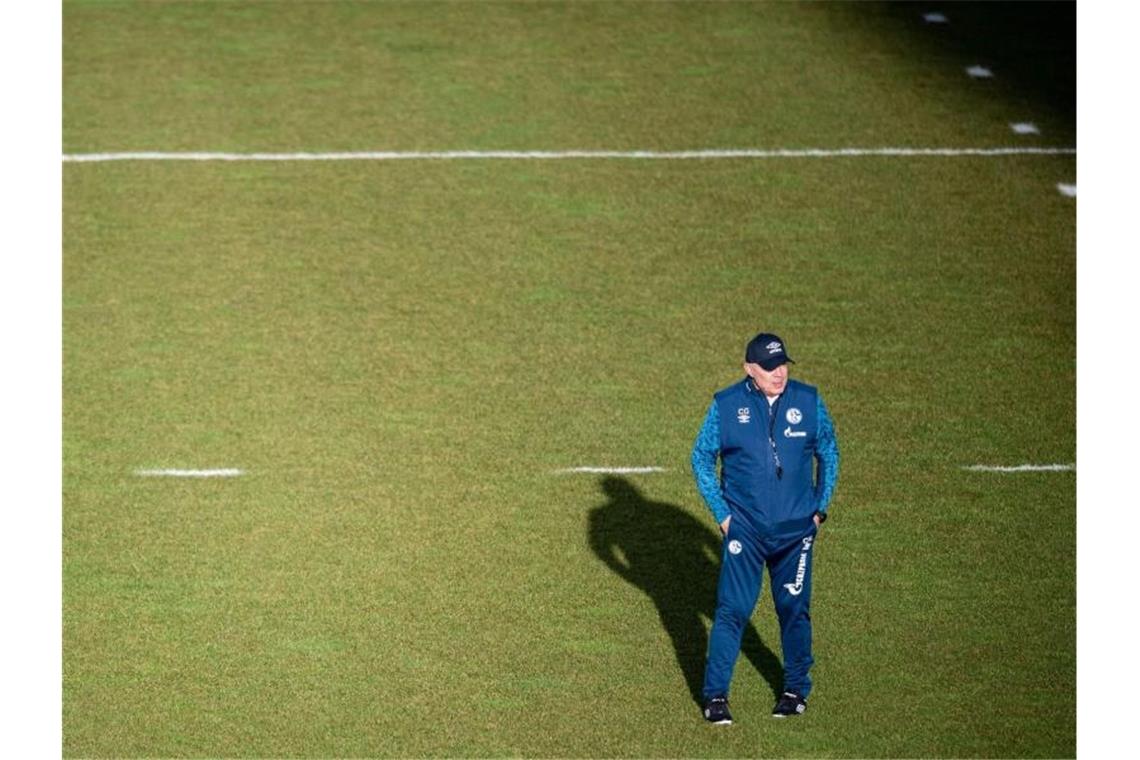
column 795, row 416
column 801, row 570
column 734, row 547
column 743, row 414
column 789, row 433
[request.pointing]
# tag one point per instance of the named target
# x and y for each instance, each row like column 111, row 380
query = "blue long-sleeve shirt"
column 707, row 449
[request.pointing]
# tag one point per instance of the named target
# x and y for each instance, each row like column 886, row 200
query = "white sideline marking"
column 1023, row 468
column 1025, row 128
column 935, row 18
column 979, row 72
column 225, row 473
column 613, row 470
column 1068, row 190
column 540, row 155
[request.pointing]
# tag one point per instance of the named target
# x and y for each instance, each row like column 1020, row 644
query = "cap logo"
column 774, row 347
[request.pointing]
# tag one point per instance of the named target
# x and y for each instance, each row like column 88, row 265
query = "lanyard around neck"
column 772, row 437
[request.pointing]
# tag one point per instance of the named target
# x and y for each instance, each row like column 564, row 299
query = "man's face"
column 770, row 383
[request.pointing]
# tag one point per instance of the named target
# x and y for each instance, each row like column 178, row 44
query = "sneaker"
column 716, row 711
column 789, row 703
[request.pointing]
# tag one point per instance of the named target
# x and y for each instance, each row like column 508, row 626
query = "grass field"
column 402, row 355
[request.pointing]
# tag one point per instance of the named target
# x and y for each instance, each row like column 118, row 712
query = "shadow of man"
column 674, row 558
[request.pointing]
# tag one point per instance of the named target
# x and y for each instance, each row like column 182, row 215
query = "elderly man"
column 770, row 433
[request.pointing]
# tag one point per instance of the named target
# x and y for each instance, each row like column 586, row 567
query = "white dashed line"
column 935, row 18
column 1022, row 468
column 979, row 72
column 612, row 470
column 1069, row 191
column 224, row 473
column 1025, row 128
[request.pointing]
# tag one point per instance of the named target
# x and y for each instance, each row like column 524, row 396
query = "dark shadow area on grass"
column 669, row 555
column 1030, row 46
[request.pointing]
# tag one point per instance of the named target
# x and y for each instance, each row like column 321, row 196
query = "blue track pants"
column 743, row 558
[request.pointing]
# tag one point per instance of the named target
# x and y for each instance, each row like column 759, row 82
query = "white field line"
column 224, row 473
column 1022, row 468
column 1067, row 190
column 611, row 470
column 541, row 155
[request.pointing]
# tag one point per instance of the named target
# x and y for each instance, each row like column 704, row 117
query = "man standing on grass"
column 769, row 433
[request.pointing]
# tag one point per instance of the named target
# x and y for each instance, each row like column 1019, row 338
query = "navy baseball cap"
column 768, row 351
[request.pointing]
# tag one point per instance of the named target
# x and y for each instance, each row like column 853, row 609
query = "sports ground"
column 383, row 362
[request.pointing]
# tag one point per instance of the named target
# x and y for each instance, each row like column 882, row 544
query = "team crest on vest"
column 795, row 416
column 734, row 547
column 743, row 415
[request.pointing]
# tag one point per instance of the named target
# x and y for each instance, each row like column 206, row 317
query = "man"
column 769, row 433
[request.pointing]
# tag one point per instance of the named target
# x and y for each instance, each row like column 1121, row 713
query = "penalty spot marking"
column 1022, row 468
column 1025, row 128
column 224, row 473
column 1067, row 190
column 935, row 18
column 979, row 72
column 612, row 470
column 541, row 155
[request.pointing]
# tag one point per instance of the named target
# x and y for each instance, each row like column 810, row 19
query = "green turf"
column 401, row 354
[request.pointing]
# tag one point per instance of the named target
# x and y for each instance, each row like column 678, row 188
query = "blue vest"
column 770, row 505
